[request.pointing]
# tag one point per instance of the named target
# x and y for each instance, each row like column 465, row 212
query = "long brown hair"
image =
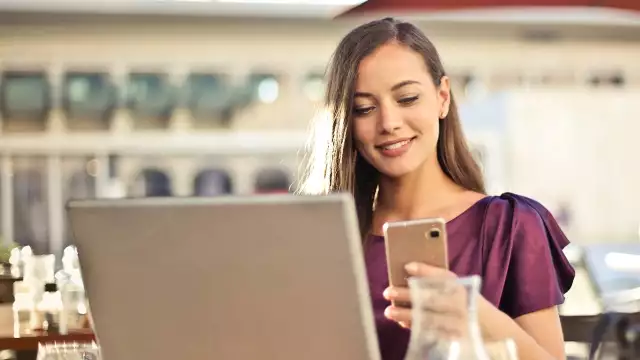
column 334, row 164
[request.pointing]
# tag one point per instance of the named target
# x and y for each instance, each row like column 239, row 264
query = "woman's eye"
column 408, row 100
column 363, row 110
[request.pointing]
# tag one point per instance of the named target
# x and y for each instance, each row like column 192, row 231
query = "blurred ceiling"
column 582, row 12
column 598, row 13
column 409, row 6
column 217, row 8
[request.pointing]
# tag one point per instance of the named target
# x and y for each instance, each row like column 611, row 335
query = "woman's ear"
column 444, row 96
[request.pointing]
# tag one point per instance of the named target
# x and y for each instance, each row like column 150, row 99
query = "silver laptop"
column 273, row 277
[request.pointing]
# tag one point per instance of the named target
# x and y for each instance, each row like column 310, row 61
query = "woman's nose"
column 390, row 120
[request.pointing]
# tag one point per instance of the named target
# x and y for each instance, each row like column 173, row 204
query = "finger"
column 422, row 269
column 452, row 302
column 430, row 319
column 441, row 325
column 397, row 294
column 398, row 314
column 445, row 306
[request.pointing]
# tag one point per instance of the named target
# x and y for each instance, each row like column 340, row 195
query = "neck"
column 415, row 195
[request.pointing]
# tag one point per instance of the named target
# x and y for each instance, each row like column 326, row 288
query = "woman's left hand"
column 446, row 312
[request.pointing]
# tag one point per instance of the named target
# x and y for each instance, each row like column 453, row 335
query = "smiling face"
column 396, row 110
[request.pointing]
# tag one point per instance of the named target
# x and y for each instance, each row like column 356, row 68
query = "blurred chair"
column 152, row 183
column 25, row 101
column 272, row 180
column 617, row 283
column 212, row 182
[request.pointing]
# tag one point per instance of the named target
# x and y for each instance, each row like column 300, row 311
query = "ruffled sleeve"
column 525, row 269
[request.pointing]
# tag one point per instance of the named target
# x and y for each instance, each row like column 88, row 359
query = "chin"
column 395, row 172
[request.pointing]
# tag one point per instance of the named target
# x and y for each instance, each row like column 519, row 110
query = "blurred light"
column 300, row 2
column 92, row 167
column 114, row 189
column 622, row 261
column 82, row 309
column 314, row 88
column 78, row 90
column 319, row 144
column 268, row 90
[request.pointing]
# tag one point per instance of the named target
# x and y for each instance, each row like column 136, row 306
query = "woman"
column 396, row 144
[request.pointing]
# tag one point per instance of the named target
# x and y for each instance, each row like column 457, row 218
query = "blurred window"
column 150, row 96
column 24, row 96
column 611, row 79
column 88, row 97
column 314, row 87
column 208, row 97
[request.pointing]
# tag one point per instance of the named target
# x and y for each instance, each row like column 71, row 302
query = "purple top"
column 513, row 242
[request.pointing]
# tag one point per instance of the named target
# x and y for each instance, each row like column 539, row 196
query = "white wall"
column 582, row 147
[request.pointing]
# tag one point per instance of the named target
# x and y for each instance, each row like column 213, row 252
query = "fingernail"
column 389, row 312
column 411, row 267
column 389, row 293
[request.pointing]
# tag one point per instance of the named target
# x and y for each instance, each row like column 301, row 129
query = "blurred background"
column 179, row 98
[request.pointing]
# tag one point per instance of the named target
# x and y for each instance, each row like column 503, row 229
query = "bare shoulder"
column 468, row 198
column 463, row 201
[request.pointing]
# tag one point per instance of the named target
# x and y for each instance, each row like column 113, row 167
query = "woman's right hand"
column 444, row 309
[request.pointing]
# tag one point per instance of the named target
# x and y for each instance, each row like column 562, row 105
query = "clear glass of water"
column 69, row 351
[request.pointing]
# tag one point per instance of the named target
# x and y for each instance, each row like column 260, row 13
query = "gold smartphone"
column 423, row 240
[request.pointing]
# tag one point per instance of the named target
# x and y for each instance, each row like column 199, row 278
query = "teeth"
column 396, row 145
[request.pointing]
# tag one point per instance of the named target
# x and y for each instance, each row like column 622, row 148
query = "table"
column 26, row 345
column 31, row 341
